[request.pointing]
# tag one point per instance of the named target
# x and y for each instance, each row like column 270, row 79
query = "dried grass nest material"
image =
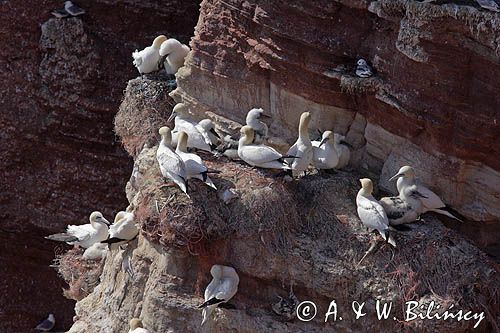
column 145, row 104
column 170, row 218
column 81, row 275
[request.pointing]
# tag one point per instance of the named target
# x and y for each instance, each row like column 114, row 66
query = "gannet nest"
column 147, row 100
column 81, row 275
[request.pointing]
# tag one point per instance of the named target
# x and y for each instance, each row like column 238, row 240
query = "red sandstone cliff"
column 61, row 84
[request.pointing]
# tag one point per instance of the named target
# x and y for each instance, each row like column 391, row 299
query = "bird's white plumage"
column 258, row 155
column 147, row 60
column 418, row 195
column 370, row 211
column 302, row 148
column 139, row 330
column 96, row 252
column 171, row 165
column 259, row 127
column 87, row 234
column 183, row 123
column 124, row 227
column 205, row 127
column 174, row 52
column 224, row 286
column 194, row 164
column 324, row 153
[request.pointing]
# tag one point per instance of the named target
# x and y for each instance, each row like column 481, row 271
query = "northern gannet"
column 206, row 128
column 147, row 60
column 324, row 153
column 398, row 210
column 362, row 69
column 96, row 252
column 171, row 165
column 194, row 165
column 259, row 127
column 221, row 289
column 84, row 235
column 185, row 124
column 258, row 155
column 302, row 148
column 371, row 212
column 73, row 9
column 47, row 324
column 122, row 230
column 342, row 150
column 173, row 54
column 136, row 326
column 417, row 195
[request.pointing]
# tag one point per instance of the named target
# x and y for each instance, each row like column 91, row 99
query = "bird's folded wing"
column 430, row 199
column 260, row 154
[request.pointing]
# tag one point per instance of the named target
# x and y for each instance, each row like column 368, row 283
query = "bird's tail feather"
column 62, row 237
column 445, row 212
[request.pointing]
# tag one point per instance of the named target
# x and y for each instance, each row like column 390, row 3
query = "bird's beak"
column 214, row 132
column 346, row 143
column 395, row 177
column 265, row 115
column 172, row 116
column 323, row 142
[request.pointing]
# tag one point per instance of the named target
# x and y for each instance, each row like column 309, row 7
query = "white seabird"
column 147, row 60
column 398, row 210
column 259, row 127
column 173, row 54
column 47, row 324
column 302, row 148
column 324, row 153
column 417, row 195
column 371, row 212
column 363, row 69
column 221, row 289
column 258, row 155
column 171, row 165
column 136, row 326
column 206, row 128
column 194, row 165
column 73, row 9
column 84, row 235
column 96, row 252
column 185, row 124
column 343, row 150
column 122, row 230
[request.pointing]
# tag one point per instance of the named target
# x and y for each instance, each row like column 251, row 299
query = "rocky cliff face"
column 61, row 83
column 434, row 102
column 302, row 235
column 426, row 106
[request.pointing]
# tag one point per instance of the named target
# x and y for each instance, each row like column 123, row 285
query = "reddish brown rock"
column 61, row 84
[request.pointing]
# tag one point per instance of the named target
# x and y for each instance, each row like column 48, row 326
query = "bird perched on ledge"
column 417, row 195
column 220, row 290
column 171, row 165
column 259, row 155
column 172, row 53
column 147, row 59
column 302, row 148
column 84, row 235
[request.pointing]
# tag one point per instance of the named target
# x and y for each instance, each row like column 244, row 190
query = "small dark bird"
column 73, row 9
column 47, row 324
